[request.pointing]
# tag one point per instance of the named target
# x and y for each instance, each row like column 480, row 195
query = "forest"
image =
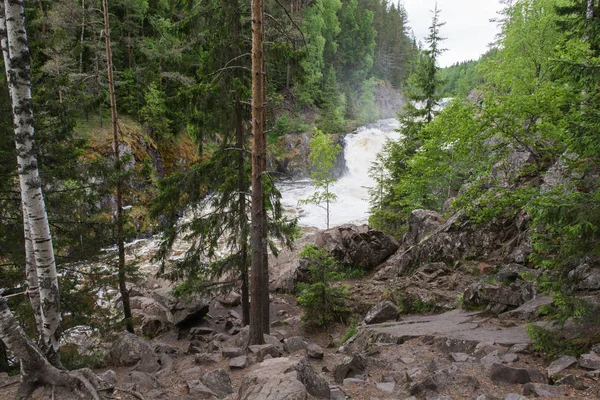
column 126, row 119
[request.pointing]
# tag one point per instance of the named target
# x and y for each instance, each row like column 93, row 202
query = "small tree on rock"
column 323, row 153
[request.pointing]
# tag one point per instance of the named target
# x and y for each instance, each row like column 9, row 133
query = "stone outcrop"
column 282, row 379
column 128, row 350
column 383, row 311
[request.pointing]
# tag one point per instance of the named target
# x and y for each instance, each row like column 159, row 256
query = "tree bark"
column 258, row 217
column 16, row 57
column 242, row 179
column 36, row 371
column 119, row 186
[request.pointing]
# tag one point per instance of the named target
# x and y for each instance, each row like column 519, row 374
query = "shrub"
column 321, row 301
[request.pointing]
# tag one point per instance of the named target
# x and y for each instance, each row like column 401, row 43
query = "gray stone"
column 206, row 358
column 109, row 377
column 197, row 389
column 560, row 364
column 127, row 350
column 294, row 344
column 141, row 380
column 514, row 396
column 587, row 277
column 510, row 357
column 274, row 379
column 232, row 299
column 218, row 381
column 354, row 381
column 382, row 312
column 189, row 310
column 387, row 387
column 232, row 352
column 543, row 390
column 589, row 361
column 238, row 362
column 202, row 330
column 498, row 297
column 315, row 351
column 490, row 359
column 352, row 366
column 149, row 364
column 315, row 384
column 337, row 393
column 460, row 357
column 504, row 373
column 519, row 348
column 263, row 350
column 530, row 310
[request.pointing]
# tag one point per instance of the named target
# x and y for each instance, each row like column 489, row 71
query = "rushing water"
column 352, row 205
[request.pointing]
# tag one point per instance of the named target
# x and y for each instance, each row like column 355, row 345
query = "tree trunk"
column 3, row 357
column 242, row 180
column 36, row 371
column 16, row 57
column 119, row 186
column 258, row 234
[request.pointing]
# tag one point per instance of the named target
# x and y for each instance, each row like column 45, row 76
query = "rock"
column 387, row 387
column 232, row 352
column 382, row 312
column 202, row 331
column 189, row 310
column 275, row 341
column 240, row 362
column 589, row 361
column 360, row 246
column 127, row 350
column 542, row 390
column 315, row 351
column 529, row 310
column 509, row 273
column 352, row 366
column 206, row 358
column 337, row 393
column 497, row 297
column 461, row 357
column 109, row 377
column 315, row 384
column 559, row 365
column 490, row 359
column 199, row 390
column 504, row 373
column 421, row 223
column 274, row 379
column 263, row 350
column 156, row 318
column 510, row 357
column 587, row 276
column 141, row 381
column 232, row 299
column 354, row 381
column 514, row 396
column 218, row 381
column 294, row 344
column 149, row 364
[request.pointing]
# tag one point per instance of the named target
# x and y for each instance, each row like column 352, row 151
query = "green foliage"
column 154, row 114
column 323, row 154
column 350, row 332
column 333, row 105
column 367, row 110
column 321, row 301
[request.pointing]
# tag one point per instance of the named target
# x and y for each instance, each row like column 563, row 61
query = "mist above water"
column 352, row 206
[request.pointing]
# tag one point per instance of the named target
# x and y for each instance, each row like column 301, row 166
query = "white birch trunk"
column 16, row 53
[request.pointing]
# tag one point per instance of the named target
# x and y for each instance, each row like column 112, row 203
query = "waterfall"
column 352, row 206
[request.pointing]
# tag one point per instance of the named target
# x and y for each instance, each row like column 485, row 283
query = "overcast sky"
column 468, row 27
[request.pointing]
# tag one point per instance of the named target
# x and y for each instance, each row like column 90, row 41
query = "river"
column 352, row 206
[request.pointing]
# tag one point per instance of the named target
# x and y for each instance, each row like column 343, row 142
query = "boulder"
column 155, row 317
column 240, row 362
column 504, row 373
column 421, row 223
column 282, row 379
column 219, row 382
column 314, row 351
column 382, row 312
column 232, row 299
column 207, row 358
column 232, row 352
column 587, row 276
column 590, row 361
column 261, row 350
column 558, row 366
column 498, row 297
column 294, row 344
column 199, row 390
column 530, row 310
column 352, row 366
column 190, row 310
column 128, row 350
column 543, row 390
column 141, row 381
column 357, row 245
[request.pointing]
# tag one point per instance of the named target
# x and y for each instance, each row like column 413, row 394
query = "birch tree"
column 37, row 230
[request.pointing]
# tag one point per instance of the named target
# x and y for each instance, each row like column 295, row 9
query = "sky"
column 468, row 28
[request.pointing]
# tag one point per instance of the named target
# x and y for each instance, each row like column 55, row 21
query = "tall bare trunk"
column 119, row 186
column 81, row 37
column 258, row 235
column 16, row 57
column 242, row 179
column 590, row 9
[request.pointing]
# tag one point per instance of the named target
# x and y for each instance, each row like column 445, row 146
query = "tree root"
column 51, row 378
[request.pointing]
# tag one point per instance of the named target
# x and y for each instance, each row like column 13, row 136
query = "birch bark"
column 16, row 55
